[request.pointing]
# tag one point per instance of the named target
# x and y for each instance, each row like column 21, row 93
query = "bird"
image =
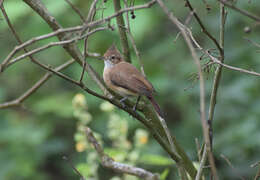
column 126, row 80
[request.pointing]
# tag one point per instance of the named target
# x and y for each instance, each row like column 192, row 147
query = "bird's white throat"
column 108, row 64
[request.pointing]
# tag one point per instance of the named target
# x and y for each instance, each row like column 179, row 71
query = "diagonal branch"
column 241, row 11
column 203, row 27
column 215, row 60
column 61, row 32
column 52, row 44
column 108, row 162
column 34, row 88
column 76, row 10
column 205, row 126
column 149, row 118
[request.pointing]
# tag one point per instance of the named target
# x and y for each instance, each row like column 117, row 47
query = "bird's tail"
column 156, row 106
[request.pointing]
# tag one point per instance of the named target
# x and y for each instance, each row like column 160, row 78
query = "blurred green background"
column 35, row 137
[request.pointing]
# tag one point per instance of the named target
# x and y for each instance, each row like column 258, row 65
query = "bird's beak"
column 102, row 58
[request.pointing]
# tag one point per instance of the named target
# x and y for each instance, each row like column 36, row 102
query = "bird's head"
column 112, row 56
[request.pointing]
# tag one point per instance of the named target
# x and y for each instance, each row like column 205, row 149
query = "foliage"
column 121, row 150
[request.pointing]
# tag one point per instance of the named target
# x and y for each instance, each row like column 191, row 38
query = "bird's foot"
column 137, row 101
column 122, row 101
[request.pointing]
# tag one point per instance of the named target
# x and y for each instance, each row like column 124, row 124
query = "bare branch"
column 108, row 162
column 58, row 30
column 205, row 126
column 202, row 163
column 51, row 44
column 255, row 164
column 241, row 11
column 76, row 10
column 37, row 6
column 218, row 72
column 252, row 42
column 257, row 176
column 122, row 32
column 34, row 88
column 215, row 60
column 128, row 29
column 91, row 15
column 232, row 167
column 203, row 27
column 33, row 40
column 74, row 168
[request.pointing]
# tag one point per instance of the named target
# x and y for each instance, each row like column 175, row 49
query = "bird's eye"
column 113, row 57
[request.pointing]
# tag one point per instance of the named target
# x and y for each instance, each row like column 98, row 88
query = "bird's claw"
column 122, row 102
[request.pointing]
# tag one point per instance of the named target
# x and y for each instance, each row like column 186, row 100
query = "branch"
column 150, row 119
column 203, row 27
column 33, row 40
column 205, row 126
column 232, row 167
column 155, row 130
column 34, row 88
column 215, row 60
column 108, row 162
column 241, row 11
column 52, row 44
column 252, row 42
column 202, row 163
column 72, row 48
column 60, row 32
column 76, row 10
column 217, row 77
column 122, row 33
column 128, row 30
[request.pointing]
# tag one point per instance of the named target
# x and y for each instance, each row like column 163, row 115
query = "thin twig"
column 74, row 168
column 198, row 148
column 59, row 30
column 108, row 162
column 218, row 72
column 252, row 42
column 255, row 164
column 52, row 44
column 34, row 88
column 76, row 10
column 173, row 147
column 131, row 37
column 232, row 167
column 33, row 40
column 205, row 126
column 83, row 72
column 257, row 176
column 72, row 49
column 241, row 11
column 215, row 60
column 203, row 27
column 90, row 17
column 122, row 33
column 202, row 163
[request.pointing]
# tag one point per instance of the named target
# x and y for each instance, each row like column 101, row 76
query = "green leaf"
column 164, row 174
column 153, row 159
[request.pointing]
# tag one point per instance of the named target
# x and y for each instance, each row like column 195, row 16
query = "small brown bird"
column 125, row 79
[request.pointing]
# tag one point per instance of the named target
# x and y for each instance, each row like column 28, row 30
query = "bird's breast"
column 120, row 90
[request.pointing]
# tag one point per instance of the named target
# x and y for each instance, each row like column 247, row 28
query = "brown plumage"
column 123, row 78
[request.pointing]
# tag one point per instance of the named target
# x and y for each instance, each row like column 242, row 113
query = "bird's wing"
column 125, row 75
